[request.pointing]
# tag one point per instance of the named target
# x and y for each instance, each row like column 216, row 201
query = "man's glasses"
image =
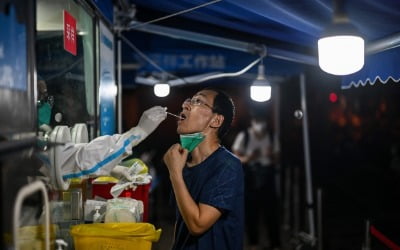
column 197, row 102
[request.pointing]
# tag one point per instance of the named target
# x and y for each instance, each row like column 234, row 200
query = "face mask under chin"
column 191, row 141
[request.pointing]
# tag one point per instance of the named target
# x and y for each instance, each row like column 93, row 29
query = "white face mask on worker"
column 258, row 127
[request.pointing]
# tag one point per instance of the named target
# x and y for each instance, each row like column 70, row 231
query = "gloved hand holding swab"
column 101, row 155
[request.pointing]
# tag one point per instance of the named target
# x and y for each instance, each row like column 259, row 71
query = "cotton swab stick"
column 177, row 116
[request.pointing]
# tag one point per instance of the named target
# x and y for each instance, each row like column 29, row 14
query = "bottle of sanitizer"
column 96, row 215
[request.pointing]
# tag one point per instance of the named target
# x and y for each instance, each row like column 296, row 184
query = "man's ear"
column 217, row 121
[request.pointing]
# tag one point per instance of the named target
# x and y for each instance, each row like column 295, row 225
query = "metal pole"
column 287, row 194
column 309, row 192
column 319, row 218
column 198, row 37
column 276, row 140
column 119, row 98
column 367, row 243
column 383, row 44
column 296, row 200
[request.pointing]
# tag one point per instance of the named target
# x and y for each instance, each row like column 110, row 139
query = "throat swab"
column 177, row 116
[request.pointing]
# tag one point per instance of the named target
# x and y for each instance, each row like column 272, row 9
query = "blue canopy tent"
column 292, row 27
column 381, row 67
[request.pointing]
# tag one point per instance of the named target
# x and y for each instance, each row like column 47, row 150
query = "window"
column 69, row 78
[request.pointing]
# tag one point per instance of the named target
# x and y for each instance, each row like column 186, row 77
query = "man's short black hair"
column 224, row 106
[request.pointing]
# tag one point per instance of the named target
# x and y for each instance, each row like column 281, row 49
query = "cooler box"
column 118, row 236
column 140, row 193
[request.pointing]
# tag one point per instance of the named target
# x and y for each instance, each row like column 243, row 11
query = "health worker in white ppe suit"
column 102, row 155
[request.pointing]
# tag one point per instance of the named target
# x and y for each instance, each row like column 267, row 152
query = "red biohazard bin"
column 140, row 193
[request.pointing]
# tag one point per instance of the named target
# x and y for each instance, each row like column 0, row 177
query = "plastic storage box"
column 121, row 236
column 140, row 193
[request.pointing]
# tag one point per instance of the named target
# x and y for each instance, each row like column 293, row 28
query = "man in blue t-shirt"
column 208, row 185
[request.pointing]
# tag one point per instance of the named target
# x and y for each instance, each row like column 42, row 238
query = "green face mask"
column 44, row 113
column 190, row 141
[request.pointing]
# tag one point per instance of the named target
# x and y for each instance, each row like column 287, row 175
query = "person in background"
column 45, row 104
column 207, row 179
column 254, row 148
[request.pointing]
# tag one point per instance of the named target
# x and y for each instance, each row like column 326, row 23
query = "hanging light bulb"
column 260, row 90
column 161, row 89
column 341, row 54
column 340, row 48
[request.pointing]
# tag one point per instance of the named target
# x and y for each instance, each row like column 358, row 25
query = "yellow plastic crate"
column 33, row 237
column 122, row 236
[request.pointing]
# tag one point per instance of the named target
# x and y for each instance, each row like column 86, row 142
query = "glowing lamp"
column 161, row 89
column 260, row 90
column 340, row 47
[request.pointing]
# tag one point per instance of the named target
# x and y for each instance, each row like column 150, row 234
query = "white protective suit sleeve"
column 102, row 154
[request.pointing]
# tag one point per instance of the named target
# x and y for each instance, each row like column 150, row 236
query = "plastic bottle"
column 60, row 244
column 96, row 215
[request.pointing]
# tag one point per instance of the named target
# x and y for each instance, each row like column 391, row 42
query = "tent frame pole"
column 309, row 191
column 227, row 43
column 386, row 43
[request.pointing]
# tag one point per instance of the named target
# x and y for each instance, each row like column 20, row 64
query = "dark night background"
column 354, row 149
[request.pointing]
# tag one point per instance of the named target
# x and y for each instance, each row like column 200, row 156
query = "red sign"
column 70, row 35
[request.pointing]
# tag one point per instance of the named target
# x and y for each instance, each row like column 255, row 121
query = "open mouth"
column 183, row 116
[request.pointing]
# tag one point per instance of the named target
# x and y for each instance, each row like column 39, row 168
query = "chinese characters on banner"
column 70, row 35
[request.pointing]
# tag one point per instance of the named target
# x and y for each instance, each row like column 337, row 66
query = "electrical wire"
column 174, row 76
column 175, row 14
column 148, row 59
column 154, row 64
column 240, row 72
